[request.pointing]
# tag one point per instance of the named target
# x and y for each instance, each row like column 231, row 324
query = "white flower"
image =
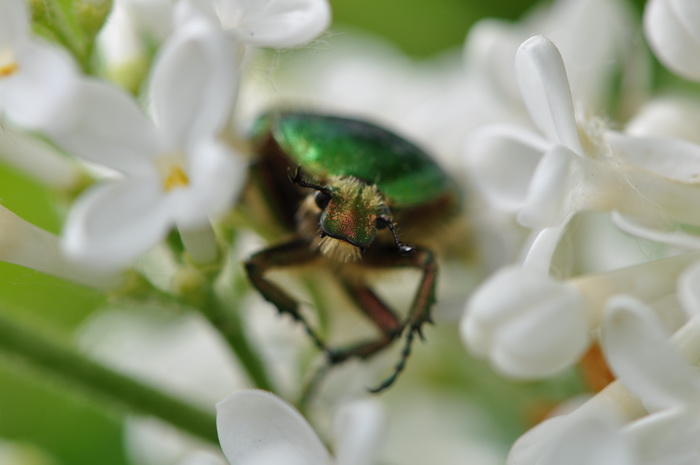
column 38, row 159
column 594, row 36
column 673, row 30
column 581, row 438
column 667, row 116
column 259, row 428
column 665, row 172
column 529, row 325
column 176, row 172
column 132, row 28
column 274, row 23
column 545, row 177
column 614, row 427
column 568, row 168
column 37, row 80
column 646, row 363
column 26, row 245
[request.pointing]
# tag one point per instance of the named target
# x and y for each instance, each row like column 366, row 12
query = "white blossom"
column 529, row 325
column 257, row 427
column 596, row 41
column 174, row 172
column 274, row 23
column 648, row 416
column 38, row 159
column 25, row 244
column 37, row 80
column 673, row 30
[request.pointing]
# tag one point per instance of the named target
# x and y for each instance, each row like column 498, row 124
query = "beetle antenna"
column 404, row 249
column 300, row 180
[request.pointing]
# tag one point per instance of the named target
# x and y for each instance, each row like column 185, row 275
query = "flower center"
column 8, row 64
column 176, row 177
column 170, row 166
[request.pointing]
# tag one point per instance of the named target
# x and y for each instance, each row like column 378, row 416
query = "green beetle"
column 350, row 196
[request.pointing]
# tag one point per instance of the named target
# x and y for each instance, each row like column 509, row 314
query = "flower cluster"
column 540, row 316
column 580, row 181
column 173, row 165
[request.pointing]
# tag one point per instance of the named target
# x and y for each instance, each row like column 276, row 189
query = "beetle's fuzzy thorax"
column 338, row 250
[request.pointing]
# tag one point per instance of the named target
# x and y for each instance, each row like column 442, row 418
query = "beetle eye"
column 380, row 223
column 322, row 199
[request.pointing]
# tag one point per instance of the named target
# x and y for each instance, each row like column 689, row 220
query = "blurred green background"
column 72, row 430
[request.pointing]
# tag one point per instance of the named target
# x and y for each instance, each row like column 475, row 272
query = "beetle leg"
column 379, row 313
column 288, row 254
column 384, row 317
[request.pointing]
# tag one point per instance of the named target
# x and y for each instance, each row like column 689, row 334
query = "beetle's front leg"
column 423, row 300
column 378, row 313
column 288, row 254
column 383, row 317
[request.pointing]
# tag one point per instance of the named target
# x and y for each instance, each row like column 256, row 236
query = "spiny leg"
column 423, row 301
column 378, row 313
column 285, row 255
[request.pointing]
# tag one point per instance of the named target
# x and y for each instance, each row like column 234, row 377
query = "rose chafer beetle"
column 351, row 196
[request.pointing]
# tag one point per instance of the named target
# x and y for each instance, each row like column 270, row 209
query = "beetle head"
column 351, row 213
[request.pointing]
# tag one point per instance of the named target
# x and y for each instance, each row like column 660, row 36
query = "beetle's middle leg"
column 289, row 254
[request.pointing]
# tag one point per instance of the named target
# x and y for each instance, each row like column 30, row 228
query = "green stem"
column 122, row 391
column 225, row 317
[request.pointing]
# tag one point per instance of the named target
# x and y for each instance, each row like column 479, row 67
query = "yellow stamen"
column 176, row 178
column 9, row 69
column 8, row 64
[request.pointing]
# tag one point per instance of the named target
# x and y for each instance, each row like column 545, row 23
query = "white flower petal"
column 39, row 94
column 642, row 357
column 529, row 447
column 670, row 117
column 185, row 10
column 656, row 229
column 259, row 428
column 689, row 290
column 527, row 324
column 597, row 40
column 39, row 159
column 275, row 23
column 151, row 18
column 672, row 158
column 672, row 28
column 24, row 244
column 359, row 432
column 575, row 439
column 113, row 223
column 108, row 128
column 547, row 193
column 193, row 84
column 501, row 161
column 545, row 89
column 544, row 244
column 489, row 52
column 668, row 437
column 216, row 177
column 14, row 23
column 589, row 440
